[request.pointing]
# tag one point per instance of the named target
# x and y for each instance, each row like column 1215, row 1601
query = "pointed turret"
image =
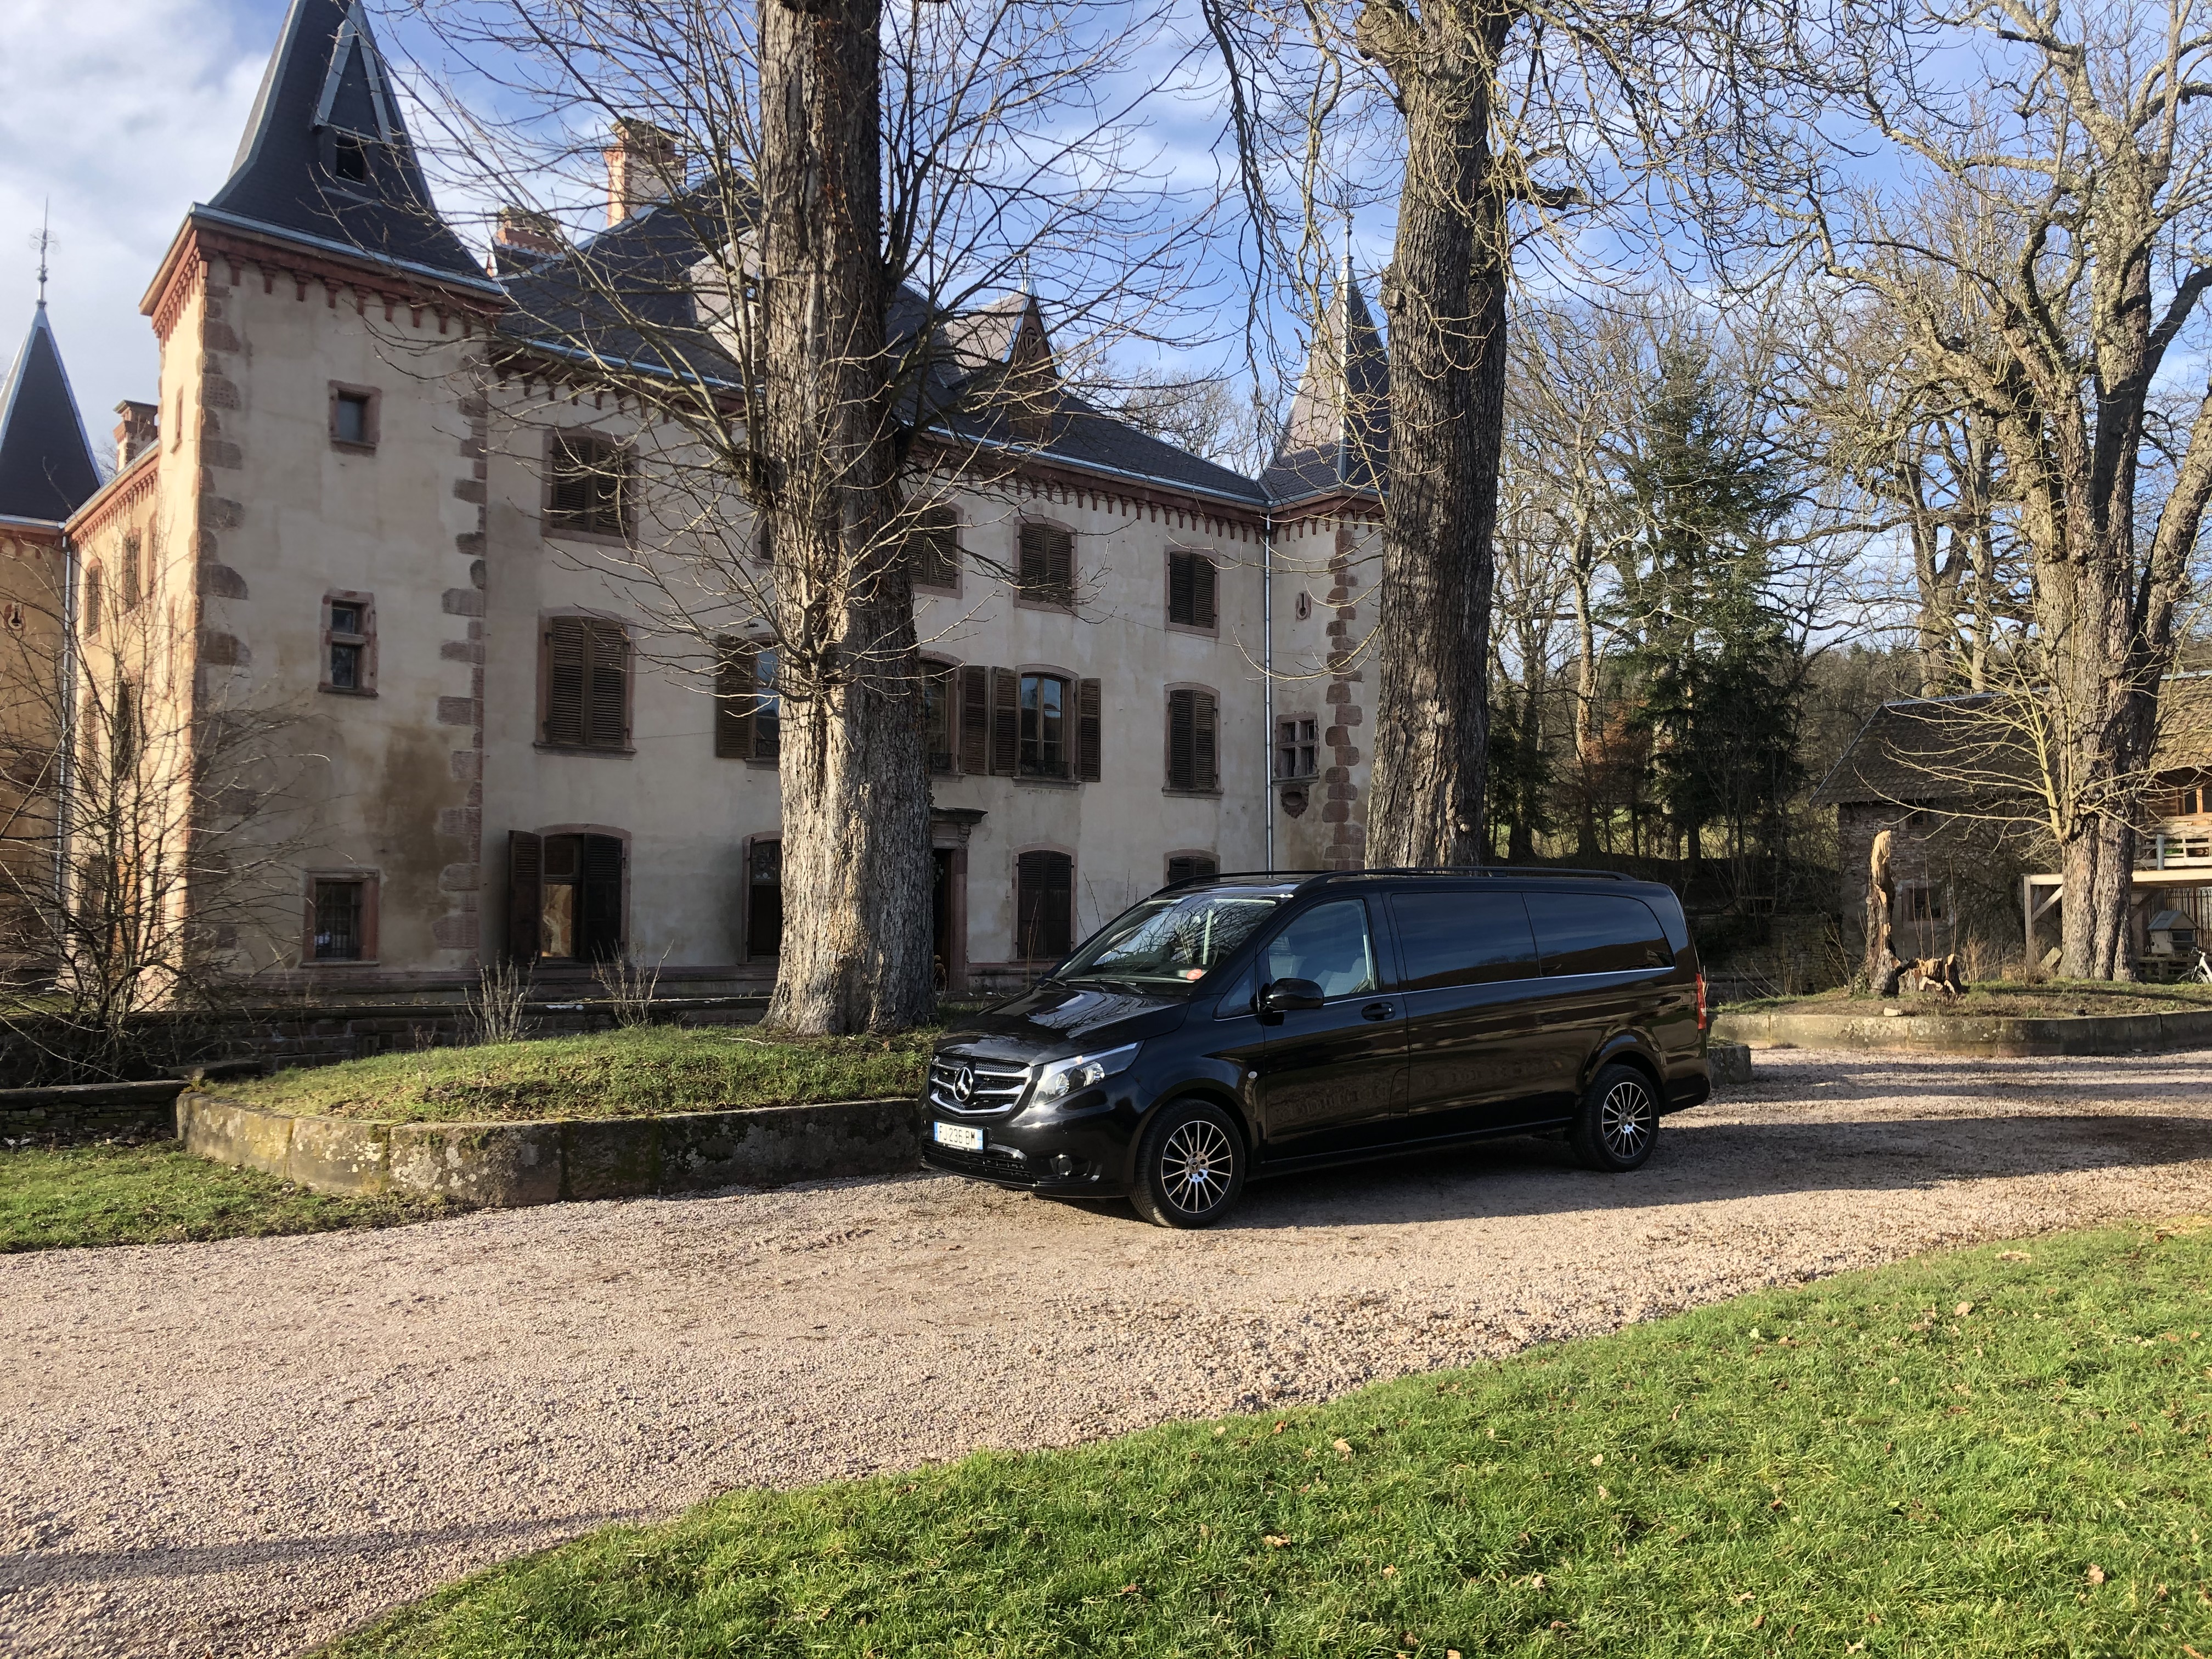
column 1337, row 441
column 326, row 158
column 46, row 468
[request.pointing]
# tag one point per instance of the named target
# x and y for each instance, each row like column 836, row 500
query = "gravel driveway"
column 244, row 1446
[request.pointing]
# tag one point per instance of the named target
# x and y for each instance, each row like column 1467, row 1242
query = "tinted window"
column 1329, row 945
column 1463, row 939
column 1597, row 933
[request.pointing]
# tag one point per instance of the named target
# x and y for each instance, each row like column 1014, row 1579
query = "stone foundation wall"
column 508, row 1165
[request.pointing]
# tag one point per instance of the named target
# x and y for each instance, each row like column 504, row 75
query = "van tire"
column 1190, row 1166
column 1618, row 1122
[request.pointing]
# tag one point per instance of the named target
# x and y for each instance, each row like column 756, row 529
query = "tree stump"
column 1883, row 968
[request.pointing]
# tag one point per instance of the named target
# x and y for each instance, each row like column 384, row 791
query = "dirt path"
column 243, row 1448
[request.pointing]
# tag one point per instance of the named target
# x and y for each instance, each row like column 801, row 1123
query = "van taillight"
column 1702, row 1020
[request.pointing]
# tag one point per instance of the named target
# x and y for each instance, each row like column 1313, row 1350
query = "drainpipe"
column 65, row 774
column 1267, row 679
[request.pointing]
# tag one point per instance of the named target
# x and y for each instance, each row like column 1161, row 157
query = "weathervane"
column 42, row 241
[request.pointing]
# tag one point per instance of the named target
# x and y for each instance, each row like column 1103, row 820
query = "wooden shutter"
column 568, row 670
column 1006, row 722
column 1179, row 579
column 1192, row 867
column 1182, row 723
column 600, row 904
column 734, row 700
column 1088, row 733
column 974, row 744
column 1060, row 565
column 568, row 487
column 1205, row 769
column 609, row 708
column 1046, row 565
column 936, row 550
column 1202, row 580
column 1044, row 891
column 525, row 893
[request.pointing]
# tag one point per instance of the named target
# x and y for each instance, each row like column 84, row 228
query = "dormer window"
column 350, row 158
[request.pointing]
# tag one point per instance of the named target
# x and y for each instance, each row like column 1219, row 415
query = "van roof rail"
column 1524, row 871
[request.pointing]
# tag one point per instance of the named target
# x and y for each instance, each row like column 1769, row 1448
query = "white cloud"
column 123, row 112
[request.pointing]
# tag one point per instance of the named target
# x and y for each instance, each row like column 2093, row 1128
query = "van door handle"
column 1377, row 1011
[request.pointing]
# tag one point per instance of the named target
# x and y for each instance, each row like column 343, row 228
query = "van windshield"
column 1174, row 940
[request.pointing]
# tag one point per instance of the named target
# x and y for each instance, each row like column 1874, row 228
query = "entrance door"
column 940, row 914
column 1332, row 1079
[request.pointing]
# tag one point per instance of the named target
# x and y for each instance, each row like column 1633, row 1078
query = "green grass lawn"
column 2043, row 1000
column 633, row 1074
column 159, row 1194
column 2002, row 1452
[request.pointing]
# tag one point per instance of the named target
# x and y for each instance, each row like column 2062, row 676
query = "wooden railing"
column 2175, row 846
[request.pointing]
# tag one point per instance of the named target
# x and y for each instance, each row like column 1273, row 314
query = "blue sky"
column 123, row 112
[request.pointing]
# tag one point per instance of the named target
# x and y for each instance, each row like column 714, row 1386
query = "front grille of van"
column 995, row 1084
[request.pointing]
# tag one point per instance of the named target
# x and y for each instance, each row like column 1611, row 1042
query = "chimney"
column 643, row 166
column 527, row 232
column 134, row 434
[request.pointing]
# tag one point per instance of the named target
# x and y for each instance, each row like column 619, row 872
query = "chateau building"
column 370, row 493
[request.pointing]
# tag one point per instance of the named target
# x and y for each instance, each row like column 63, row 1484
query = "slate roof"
column 649, row 258
column 1932, row 749
column 47, row 467
column 1337, row 440
column 326, row 85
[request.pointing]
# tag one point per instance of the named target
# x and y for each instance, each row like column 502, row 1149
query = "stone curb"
column 1984, row 1034
column 1727, row 1064
column 70, row 1111
column 507, row 1165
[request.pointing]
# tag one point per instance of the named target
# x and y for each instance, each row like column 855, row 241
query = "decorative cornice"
column 207, row 236
column 129, row 485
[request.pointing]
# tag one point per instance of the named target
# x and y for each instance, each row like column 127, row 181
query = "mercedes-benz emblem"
column 964, row 1084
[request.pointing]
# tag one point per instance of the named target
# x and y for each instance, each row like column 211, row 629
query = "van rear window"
column 1463, row 939
column 1597, row 933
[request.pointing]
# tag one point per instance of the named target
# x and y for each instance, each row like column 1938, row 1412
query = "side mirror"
column 1279, row 996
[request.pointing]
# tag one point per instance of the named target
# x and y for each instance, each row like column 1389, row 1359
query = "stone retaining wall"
column 1959, row 1034
column 505, row 1165
column 88, row 1111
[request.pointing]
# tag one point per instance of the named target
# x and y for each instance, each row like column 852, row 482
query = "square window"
column 350, row 158
column 354, row 414
column 339, row 911
column 352, row 423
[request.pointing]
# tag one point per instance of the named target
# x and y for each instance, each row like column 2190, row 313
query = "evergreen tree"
column 1711, row 665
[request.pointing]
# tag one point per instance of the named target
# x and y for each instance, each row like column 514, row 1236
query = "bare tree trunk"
column 1444, row 295
column 1585, row 712
column 856, row 942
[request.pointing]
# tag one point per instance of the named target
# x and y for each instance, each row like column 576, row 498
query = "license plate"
column 960, row 1135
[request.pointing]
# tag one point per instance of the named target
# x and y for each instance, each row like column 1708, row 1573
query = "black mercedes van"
column 1247, row 1025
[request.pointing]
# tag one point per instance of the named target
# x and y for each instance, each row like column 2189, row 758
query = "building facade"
column 362, row 505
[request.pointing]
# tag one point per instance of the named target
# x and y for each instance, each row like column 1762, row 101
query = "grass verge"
column 2048, row 999
column 159, row 1194
column 633, row 1074
column 2000, row 1452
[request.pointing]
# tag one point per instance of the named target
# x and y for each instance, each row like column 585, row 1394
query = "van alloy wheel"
column 1627, row 1120
column 1190, row 1165
column 1197, row 1163
column 1618, row 1122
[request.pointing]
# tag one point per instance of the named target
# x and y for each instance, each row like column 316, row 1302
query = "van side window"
column 1463, row 939
column 1597, row 933
column 1330, row 945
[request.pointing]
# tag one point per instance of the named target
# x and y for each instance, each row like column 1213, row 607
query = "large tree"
column 812, row 335
column 2046, row 256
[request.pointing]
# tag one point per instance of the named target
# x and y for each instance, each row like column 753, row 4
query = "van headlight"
column 1064, row 1077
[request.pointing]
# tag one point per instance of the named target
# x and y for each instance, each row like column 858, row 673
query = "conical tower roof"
column 46, row 468
column 1337, row 440
column 326, row 158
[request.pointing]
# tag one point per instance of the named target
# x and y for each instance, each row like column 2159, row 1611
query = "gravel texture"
column 243, row 1448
